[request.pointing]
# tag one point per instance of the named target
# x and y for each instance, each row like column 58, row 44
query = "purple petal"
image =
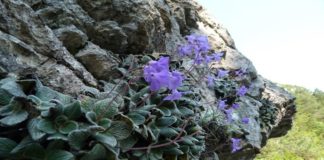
column 236, row 144
column 242, row 91
column 229, row 116
column 210, row 81
column 222, row 104
column 175, row 95
column 175, row 80
column 245, row 120
column 235, row 105
column 222, row 73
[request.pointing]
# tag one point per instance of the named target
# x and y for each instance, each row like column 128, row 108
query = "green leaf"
column 5, row 110
column 46, row 126
column 186, row 111
column 68, row 127
column 166, row 121
column 154, row 132
column 12, row 88
column 27, row 141
column 47, row 94
column 166, row 111
column 77, row 138
column 128, row 142
column 87, row 103
column 5, row 97
column 101, row 108
column 168, row 132
column 98, row 152
column 142, row 112
column 196, row 149
column 14, row 118
column 73, row 110
column 57, row 136
column 59, row 120
column 59, row 155
column 45, row 106
column 91, row 117
column 56, row 144
column 120, row 129
column 6, row 146
column 33, row 131
column 173, row 151
column 136, row 118
column 156, row 154
column 105, row 123
column 106, row 139
column 34, row 151
column 34, row 99
column 136, row 97
column 186, row 140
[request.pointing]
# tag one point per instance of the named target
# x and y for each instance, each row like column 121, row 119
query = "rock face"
column 72, row 44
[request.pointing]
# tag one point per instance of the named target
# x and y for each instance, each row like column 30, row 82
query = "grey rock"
column 108, row 35
column 72, row 38
column 284, row 101
column 97, row 61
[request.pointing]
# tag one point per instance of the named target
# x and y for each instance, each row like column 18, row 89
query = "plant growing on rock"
column 149, row 110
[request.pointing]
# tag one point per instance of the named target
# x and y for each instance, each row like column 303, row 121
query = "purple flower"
column 175, row 95
column 222, row 73
column 157, row 73
column 156, row 79
column 240, row 72
column 217, row 56
column 242, row 91
column 208, row 59
column 236, row 144
column 235, row 105
column 245, row 120
column 185, row 50
column 229, row 113
column 222, row 104
column 199, row 58
column 199, row 42
column 175, row 80
column 210, row 80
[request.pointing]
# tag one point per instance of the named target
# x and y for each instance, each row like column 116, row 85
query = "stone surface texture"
column 72, row 44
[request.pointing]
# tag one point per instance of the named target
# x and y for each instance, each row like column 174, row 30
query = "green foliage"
column 306, row 139
column 268, row 113
column 123, row 121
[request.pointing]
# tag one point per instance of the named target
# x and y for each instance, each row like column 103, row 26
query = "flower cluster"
column 198, row 47
column 236, row 144
column 242, row 91
column 158, row 75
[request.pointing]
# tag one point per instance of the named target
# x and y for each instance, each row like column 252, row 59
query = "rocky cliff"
column 70, row 45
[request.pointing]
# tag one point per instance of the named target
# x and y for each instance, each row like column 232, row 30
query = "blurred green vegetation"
column 306, row 139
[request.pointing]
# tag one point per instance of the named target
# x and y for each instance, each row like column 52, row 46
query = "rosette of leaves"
column 39, row 123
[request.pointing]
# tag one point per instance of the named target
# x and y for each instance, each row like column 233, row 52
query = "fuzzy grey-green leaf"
column 120, row 129
column 68, row 127
column 6, row 145
column 59, row 155
column 46, row 126
column 15, row 118
column 34, row 132
column 73, row 110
